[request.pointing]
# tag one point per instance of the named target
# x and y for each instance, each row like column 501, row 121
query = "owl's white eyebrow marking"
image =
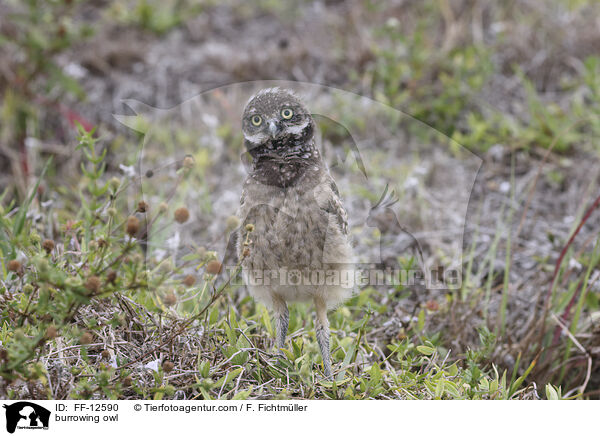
column 257, row 138
column 252, row 110
column 294, row 130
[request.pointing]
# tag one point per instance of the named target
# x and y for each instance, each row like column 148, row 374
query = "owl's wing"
column 335, row 207
column 233, row 253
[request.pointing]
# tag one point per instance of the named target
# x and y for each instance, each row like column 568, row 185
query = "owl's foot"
column 282, row 320
column 322, row 333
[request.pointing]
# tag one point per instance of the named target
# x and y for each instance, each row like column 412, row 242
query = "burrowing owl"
column 299, row 249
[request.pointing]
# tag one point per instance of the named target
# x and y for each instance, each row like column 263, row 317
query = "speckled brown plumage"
column 300, row 225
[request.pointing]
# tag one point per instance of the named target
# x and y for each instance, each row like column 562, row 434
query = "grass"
column 62, row 299
column 86, row 311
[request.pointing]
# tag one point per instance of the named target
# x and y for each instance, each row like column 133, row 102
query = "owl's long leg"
column 322, row 333
column 282, row 320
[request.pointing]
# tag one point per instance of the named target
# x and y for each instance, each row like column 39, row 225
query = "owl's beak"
column 274, row 129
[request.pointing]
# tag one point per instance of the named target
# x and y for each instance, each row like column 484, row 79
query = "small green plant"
column 156, row 16
column 434, row 87
column 50, row 281
column 39, row 31
column 55, row 285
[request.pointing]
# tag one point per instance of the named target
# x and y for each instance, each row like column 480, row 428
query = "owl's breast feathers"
column 303, row 224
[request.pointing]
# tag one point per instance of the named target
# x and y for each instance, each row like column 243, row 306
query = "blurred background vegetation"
column 517, row 83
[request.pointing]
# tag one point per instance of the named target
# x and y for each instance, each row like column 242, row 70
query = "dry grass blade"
column 581, row 348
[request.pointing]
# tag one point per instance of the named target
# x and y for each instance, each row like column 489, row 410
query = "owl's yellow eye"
column 287, row 113
column 256, row 120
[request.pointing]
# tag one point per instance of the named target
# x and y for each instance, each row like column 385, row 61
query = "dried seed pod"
column 170, row 299
column 86, row 338
column 214, row 267
column 48, row 245
column 111, row 276
column 93, row 284
column 14, row 265
column 189, row 280
column 182, row 215
column 142, row 207
column 133, row 226
column 51, row 332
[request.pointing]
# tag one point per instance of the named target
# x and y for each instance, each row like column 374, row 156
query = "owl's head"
column 275, row 118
